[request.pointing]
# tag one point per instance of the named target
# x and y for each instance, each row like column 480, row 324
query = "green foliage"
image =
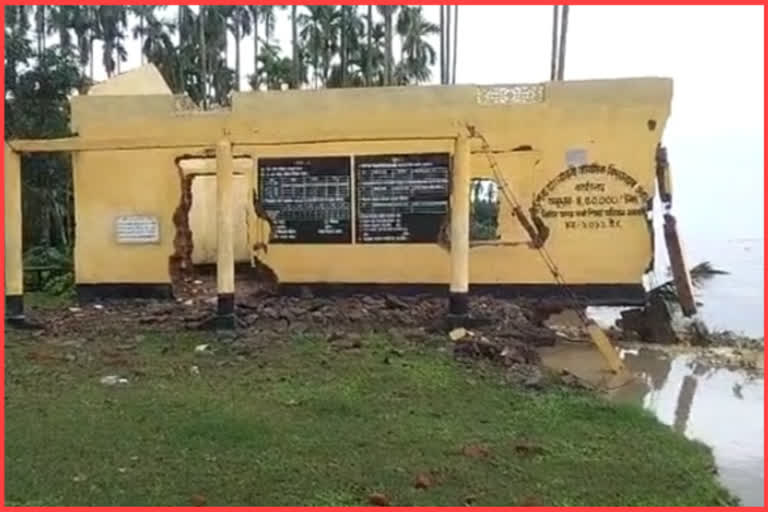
column 58, row 277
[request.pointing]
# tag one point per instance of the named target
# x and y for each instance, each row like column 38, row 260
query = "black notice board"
column 401, row 198
column 308, row 199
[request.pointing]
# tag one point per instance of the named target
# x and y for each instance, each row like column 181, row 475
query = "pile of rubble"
column 501, row 331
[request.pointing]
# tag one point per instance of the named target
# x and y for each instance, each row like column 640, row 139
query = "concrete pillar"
column 14, row 270
column 459, row 289
column 225, row 253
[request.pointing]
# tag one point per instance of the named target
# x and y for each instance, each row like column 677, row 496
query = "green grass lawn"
column 299, row 422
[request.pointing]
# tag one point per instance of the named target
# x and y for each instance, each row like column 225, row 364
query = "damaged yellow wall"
column 609, row 122
column 143, row 80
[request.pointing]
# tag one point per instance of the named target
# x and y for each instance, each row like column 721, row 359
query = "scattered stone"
column 528, row 448
column 378, row 499
column 476, row 451
column 113, row 380
column 394, row 302
column 194, row 371
column 198, row 500
column 458, row 334
column 201, row 349
column 423, row 481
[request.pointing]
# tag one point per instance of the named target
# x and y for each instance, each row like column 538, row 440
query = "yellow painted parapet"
column 580, row 155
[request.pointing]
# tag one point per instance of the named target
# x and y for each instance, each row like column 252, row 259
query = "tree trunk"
column 344, row 46
column 295, row 42
column 388, row 49
column 203, row 70
column 141, row 37
column 442, row 45
column 45, row 218
column 369, row 56
column 255, row 50
column 182, row 85
column 237, row 50
column 40, row 28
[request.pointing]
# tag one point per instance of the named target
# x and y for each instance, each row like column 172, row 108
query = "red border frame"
column 311, row 2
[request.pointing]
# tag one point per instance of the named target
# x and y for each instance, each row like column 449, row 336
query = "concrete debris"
column 458, row 334
column 113, row 380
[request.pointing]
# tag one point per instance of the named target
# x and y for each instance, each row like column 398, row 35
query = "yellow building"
column 359, row 187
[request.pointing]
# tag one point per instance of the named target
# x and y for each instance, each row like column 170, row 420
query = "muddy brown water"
column 699, row 397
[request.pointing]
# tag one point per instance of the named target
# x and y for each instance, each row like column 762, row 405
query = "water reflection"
column 720, row 407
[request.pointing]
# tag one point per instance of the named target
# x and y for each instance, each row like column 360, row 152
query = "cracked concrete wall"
column 604, row 121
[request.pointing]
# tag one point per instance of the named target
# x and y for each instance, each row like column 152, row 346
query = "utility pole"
column 553, row 63
column 447, row 44
column 455, row 41
column 442, row 45
column 563, row 34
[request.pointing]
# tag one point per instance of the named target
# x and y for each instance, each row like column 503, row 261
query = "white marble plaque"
column 137, row 229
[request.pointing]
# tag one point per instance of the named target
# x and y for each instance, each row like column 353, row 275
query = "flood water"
column 720, row 407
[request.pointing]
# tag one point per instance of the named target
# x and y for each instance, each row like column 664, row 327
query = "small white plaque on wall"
column 137, row 229
column 575, row 157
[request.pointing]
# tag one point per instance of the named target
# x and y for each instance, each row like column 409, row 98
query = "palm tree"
column 417, row 54
column 388, row 12
column 40, row 31
column 272, row 69
column 82, row 23
column 203, row 69
column 219, row 78
column 369, row 52
column 295, row 47
column 110, row 22
column 241, row 27
column 186, row 52
column 378, row 55
column 267, row 13
column 319, row 34
column 442, row 45
column 59, row 21
column 351, row 26
column 142, row 12
column 157, row 46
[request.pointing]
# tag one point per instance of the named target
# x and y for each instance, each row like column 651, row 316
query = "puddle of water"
column 717, row 406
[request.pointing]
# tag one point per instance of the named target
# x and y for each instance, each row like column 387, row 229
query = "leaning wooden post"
column 459, row 289
column 14, row 271
column 225, row 260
